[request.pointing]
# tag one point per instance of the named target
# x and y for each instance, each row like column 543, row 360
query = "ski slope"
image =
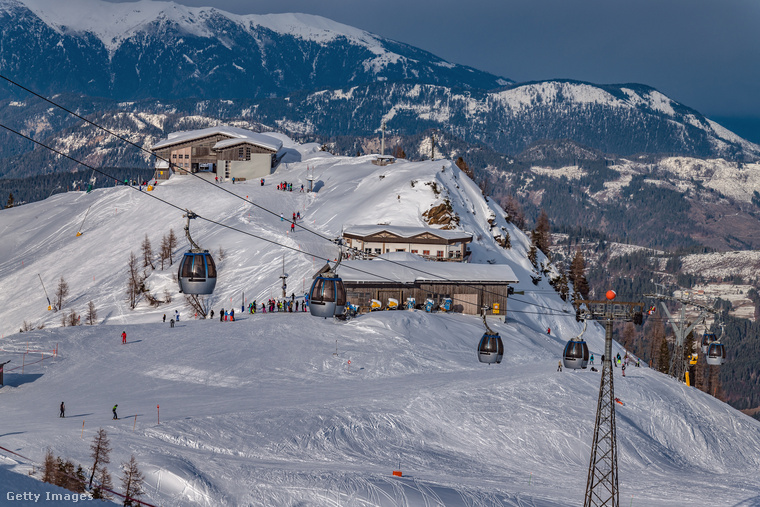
column 268, row 410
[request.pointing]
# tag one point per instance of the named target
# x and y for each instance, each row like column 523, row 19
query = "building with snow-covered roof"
column 470, row 286
column 436, row 244
column 226, row 152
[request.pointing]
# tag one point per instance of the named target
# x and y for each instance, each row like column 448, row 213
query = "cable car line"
column 58, row 152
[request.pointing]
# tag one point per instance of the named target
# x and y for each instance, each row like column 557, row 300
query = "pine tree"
column 578, row 274
column 147, row 253
column 72, row 318
column 131, row 481
column 61, row 292
column 49, row 467
column 100, row 452
column 92, row 314
column 10, row 201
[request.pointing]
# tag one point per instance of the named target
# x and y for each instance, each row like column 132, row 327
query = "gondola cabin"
column 716, row 354
column 575, row 355
column 490, row 348
column 327, row 297
column 707, row 339
column 197, row 273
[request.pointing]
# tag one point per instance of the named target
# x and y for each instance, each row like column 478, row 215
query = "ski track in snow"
column 263, row 411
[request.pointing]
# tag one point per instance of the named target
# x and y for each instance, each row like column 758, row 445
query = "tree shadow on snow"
column 17, row 379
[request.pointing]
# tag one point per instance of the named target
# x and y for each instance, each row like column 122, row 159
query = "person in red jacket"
column 123, row 337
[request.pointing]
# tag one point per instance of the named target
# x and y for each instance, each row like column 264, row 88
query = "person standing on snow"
column 123, row 337
column 164, row 318
column 559, row 366
column 292, row 227
column 221, row 315
column 176, row 315
column 63, row 410
column 592, row 359
column 114, row 412
column 171, row 323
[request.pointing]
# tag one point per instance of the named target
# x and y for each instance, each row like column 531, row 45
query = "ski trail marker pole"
column 158, row 413
column 82, row 429
column 135, row 423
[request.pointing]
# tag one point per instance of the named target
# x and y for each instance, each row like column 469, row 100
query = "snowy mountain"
column 150, row 49
column 268, row 411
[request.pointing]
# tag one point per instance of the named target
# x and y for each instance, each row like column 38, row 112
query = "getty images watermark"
column 47, row 497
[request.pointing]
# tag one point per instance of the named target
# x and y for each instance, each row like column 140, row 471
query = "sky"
column 702, row 53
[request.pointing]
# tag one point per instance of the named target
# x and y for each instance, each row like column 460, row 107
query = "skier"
column 282, row 217
column 123, row 337
column 216, row 179
column 298, row 215
column 233, row 180
column 232, row 315
column 262, row 182
column 292, row 227
column 212, row 314
column 171, row 323
column 548, row 330
column 623, row 368
column 114, row 412
column 296, row 305
column 176, row 315
column 221, row 315
column 301, row 187
column 63, row 410
column 592, row 359
column 164, row 318
column 559, row 366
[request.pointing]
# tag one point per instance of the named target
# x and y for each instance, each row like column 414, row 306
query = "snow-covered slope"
column 263, row 411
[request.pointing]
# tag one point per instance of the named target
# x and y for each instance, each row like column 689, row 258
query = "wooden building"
column 470, row 286
column 429, row 243
column 225, row 152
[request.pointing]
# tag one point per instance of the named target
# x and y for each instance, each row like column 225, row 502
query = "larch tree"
column 92, row 314
column 172, row 245
column 61, row 293
column 147, row 252
column 578, row 274
column 131, row 481
column 541, row 234
column 100, row 450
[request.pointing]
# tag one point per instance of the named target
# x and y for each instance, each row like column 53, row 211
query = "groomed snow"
column 263, row 411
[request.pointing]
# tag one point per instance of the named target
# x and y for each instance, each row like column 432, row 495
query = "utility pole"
column 602, row 482
column 284, row 278
column 681, row 328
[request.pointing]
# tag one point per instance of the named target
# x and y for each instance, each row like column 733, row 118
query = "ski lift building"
column 225, row 152
column 470, row 286
column 428, row 243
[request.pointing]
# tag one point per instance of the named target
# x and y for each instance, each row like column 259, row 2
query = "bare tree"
column 131, row 481
column 514, row 211
column 172, row 244
column 92, row 314
column 147, row 253
column 61, row 292
column 104, row 485
column 164, row 252
column 100, row 450
column 135, row 281
column 198, row 304
column 72, row 318
column 48, row 467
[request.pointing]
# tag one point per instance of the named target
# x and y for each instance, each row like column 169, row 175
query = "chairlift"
column 197, row 271
column 575, row 355
column 490, row 348
column 327, row 296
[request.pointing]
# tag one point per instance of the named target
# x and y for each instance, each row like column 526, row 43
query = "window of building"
column 439, row 253
column 458, row 254
column 187, row 156
column 378, row 251
column 426, row 252
column 248, row 153
column 240, row 153
column 401, row 249
column 415, row 251
column 368, row 250
column 174, row 155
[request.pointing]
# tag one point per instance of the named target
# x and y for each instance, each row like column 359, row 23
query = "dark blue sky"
column 703, row 53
